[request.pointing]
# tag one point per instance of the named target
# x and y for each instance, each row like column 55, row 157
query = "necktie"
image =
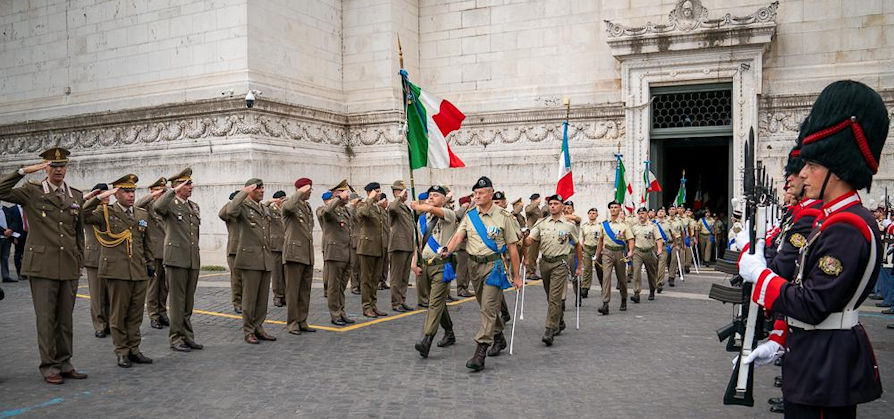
column 24, row 218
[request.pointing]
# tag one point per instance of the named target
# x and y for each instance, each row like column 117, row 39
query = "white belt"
column 836, row 321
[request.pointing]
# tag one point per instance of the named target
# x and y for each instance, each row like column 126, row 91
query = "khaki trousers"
column 649, row 259
column 531, row 260
column 255, row 292
column 554, row 275
column 157, row 293
column 613, row 260
column 588, row 268
column 181, row 298
column 706, row 247
column 662, row 267
column 99, row 300
column 489, row 300
column 687, row 254
column 400, row 278
column 277, row 277
column 54, row 301
column 677, row 257
column 299, row 278
column 354, row 273
column 336, row 277
column 235, row 281
column 462, row 270
column 126, row 301
column 437, row 304
column 370, row 267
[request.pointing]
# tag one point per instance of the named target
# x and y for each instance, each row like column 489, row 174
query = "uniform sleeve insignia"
column 830, row 265
column 798, row 240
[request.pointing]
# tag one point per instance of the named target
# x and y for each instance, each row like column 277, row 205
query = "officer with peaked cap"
column 157, row 292
column 336, row 224
column 56, row 243
column 370, row 247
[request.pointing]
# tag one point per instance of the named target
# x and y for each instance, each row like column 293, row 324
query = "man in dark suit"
column 5, row 244
column 15, row 221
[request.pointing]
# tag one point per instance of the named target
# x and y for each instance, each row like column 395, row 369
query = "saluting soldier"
column 157, row 292
column 557, row 238
column 299, row 256
column 253, row 257
column 532, row 215
column 126, row 263
column 436, row 226
column 336, row 227
column 232, row 245
column 182, row 264
column 649, row 246
column 490, row 232
column 615, row 250
column 370, row 248
column 829, row 363
column 53, row 257
column 400, row 249
column 664, row 231
column 590, row 233
column 277, row 277
column 354, row 271
column 463, row 276
column 99, row 289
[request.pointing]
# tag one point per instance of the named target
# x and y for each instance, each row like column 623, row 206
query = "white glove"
column 765, row 353
column 751, row 266
column 742, row 237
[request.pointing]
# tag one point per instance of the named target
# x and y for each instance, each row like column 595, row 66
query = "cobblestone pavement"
column 659, row 359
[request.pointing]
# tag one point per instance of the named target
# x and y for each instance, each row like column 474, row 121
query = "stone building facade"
column 152, row 86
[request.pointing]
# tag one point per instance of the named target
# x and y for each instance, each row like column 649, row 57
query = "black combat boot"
column 584, row 292
column 623, row 305
column 499, row 345
column 424, row 345
column 477, row 361
column 635, row 298
column 548, row 335
column 651, row 295
column 604, row 309
column 448, row 339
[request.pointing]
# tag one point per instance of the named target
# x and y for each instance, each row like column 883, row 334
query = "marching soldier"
column 400, row 249
column 678, row 251
column 56, row 245
column 277, row 230
column 649, row 247
column 253, row 258
column 99, row 289
column 590, row 233
column 532, row 215
column 232, row 244
column 157, row 292
column 370, row 248
column 336, row 227
column 690, row 237
column 489, row 232
column 182, row 263
column 126, row 264
column 463, row 276
column 557, row 240
column 436, row 226
column 615, row 249
column 664, row 231
column 830, row 366
column 298, row 256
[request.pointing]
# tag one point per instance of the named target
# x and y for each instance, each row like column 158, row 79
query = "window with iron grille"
column 691, row 110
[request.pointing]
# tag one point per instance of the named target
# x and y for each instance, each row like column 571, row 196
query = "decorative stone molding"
column 689, row 16
column 782, row 115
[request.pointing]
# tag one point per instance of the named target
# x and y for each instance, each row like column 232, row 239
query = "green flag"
column 620, row 183
column 681, row 194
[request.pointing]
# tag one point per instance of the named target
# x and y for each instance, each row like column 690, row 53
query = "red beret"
column 302, row 182
column 465, row 200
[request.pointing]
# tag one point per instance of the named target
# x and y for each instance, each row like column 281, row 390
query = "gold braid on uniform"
column 114, row 239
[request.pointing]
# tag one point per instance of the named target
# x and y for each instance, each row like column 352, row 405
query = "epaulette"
column 35, row 182
column 808, row 212
column 76, row 190
column 506, row 213
column 851, row 219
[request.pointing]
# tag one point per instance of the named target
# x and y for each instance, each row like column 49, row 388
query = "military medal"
column 830, row 265
column 798, row 240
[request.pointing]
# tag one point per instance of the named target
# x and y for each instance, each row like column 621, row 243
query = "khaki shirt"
column 622, row 232
column 298, row 225
column 442, row 231
column 666, row 226
column 500, row 225
column 402, row 229
column 591, row 233
column 556, row 236
column 335, row 223
column 253, row 227
column 676, row 230
column 158, row 234
column 532, row 214
column 277, row 228
column 645, row 235
column 181, row 240
column 700, row 226
column 129, row 259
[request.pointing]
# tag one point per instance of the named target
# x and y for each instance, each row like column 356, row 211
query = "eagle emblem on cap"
column 58, row 154
column 830, row 265
column 798, row 240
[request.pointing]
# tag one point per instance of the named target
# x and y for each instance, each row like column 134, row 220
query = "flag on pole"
column 630, row 204
column 565, row 185
column 649, row 180
column 681, row 194
column 620, row 182
column 697, row 202
column 429, row 120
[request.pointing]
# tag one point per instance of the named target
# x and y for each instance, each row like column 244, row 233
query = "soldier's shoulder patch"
column 830, row 265
column 798, row 240
column 505, row 213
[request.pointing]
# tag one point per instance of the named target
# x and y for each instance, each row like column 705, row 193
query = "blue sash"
column 710, row 230
column 497, row 277
column 449, row 273
column 685, row 234
column 611, row 234
column 663, row 236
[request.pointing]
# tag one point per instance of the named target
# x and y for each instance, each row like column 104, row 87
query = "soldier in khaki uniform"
column 439, row 225
column 157, row 292
column 181, row 257
column 253, row 258
column 277, row 277
column 400, row 249
column 677, row 233
column 692, row 234
column 232, row 241
column 53, row 257
column 463, row 276
column 336, row 225
column 126, row 262
column 354, row 273
column 487, row 276
column 370, row 248
column 614, row 255
column 532, row 215
column 99, row 289
column 664, row 231
column 648, row 247
column 590, row 233
column 557, row 238
column 327, row 198
column 298, row 256
column 705, row 228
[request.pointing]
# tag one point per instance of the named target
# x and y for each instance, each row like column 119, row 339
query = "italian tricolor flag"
column 429, row 121
column 565, row 185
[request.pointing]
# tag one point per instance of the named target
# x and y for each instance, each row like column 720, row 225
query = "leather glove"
column 765, row 353
column 751, row 266
column 150, row 271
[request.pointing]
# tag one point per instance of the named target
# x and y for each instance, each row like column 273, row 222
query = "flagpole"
column 406, row 97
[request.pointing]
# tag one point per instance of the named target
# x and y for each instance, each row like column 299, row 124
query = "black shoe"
column 477, row 361
column 306, row 329
column 499, row 345
column 506, row 317
column 399, row 309
column 100, row 333
column 686, row 270
column 237, row 309
column 774, row 400
column 181, row 347
column 139, row 359
column 651, row 295
column 407, row 308
column 384, row 286
column 778, row 408
column 422, row 305
column 635, row 299
column 165, row 321
column 451, row 298
column 777, row 382
column 448, row 339
column 604, row 309
column 10, row 280
column 278, row 302
column 424, row 345
column 339, row 322
column 882, row 304
column 465, row 294
column 155, row 324
column 548, row 336
column 670, row 283
column 890, row 326
column 623, row 306
column 660, row 289
column 124, row 362
column 193, row 345
column 348, row 320
column 561, row 327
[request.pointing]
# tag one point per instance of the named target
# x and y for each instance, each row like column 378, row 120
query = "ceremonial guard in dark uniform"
column 830, row 366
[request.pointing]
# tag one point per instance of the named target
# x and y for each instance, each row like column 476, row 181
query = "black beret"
column 641, row 209
column 569, row 203
column 483, row 182
column 535, row 196
column 555, row 197
column 499, row 195
column 233, row 195
column 279, row 194
column 614, row 203
column 371, row 186
column 100, row 187
column 437, row 188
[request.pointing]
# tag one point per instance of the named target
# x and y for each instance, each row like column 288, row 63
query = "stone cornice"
column 782, row 115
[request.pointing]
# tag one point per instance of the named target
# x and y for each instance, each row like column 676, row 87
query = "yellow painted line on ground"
column 214, row 274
